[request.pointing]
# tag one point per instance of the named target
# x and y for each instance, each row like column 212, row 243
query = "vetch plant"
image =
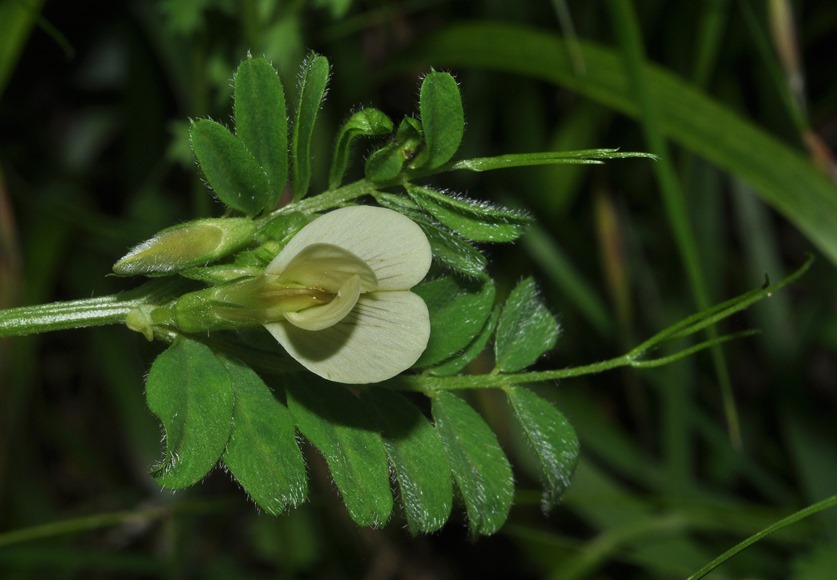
column 374, row 283
column 337, row 297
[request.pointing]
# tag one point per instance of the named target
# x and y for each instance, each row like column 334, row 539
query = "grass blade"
column 779, row 174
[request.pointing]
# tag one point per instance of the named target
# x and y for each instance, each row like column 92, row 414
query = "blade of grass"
column 106, row 520
column 713, row 19
column 16, row 21
column 677, row 400
column 761, row 42
column 791, row 519
column 759, row 242
column 605, row 504
column 778, row 173
column 561, row 272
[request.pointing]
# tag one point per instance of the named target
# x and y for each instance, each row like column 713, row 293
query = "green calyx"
column 243, row 304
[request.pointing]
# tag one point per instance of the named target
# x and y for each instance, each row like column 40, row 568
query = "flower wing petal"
column 392, row 245
column 382, row 336
column 320, row 317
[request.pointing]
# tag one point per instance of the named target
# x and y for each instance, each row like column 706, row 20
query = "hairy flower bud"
column 194, row 243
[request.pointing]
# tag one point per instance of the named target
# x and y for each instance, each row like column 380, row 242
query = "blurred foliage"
column 94, row 157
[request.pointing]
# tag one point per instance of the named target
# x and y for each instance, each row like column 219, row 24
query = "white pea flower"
column 343, row 282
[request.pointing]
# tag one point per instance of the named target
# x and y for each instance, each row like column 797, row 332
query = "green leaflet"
column 459, row 361
column 262, row 452
column 417, row 457
column 552, row 438
column 526, row 329
column 452, row 251
column 448, row 249
column 337, row 424
column 780, row 175
column 230, row 169
column 191, row 393
column 312, row 88
column 400, row 203
column 442, row 120
column 473, row 220
column 261, row 121
column 480, row 467
column 458, row 311
column 363, row 123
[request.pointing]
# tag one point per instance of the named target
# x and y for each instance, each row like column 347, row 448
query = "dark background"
column 94, row 158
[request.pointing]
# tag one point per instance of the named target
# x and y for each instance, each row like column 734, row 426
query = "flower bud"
column 194, row 243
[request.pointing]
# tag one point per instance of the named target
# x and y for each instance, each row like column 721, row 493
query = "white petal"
column 394, row 246
column 382, row 336
column 327, row 267
column 320, row 317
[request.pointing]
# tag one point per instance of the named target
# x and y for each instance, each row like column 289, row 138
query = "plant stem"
column 328, row 199
column 635, row 358
column 87, row 312
column 63, row 315
column 429, row 383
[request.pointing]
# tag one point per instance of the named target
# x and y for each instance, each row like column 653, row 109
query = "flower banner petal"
column 392, row 245
column 382, row 336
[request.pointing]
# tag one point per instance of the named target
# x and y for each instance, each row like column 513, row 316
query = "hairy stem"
column 328, row 199
column 87, row 312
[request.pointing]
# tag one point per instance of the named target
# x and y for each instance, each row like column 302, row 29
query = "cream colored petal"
column 320, row 317
column 394, row 246
column 382, row 336
column 327, row 267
